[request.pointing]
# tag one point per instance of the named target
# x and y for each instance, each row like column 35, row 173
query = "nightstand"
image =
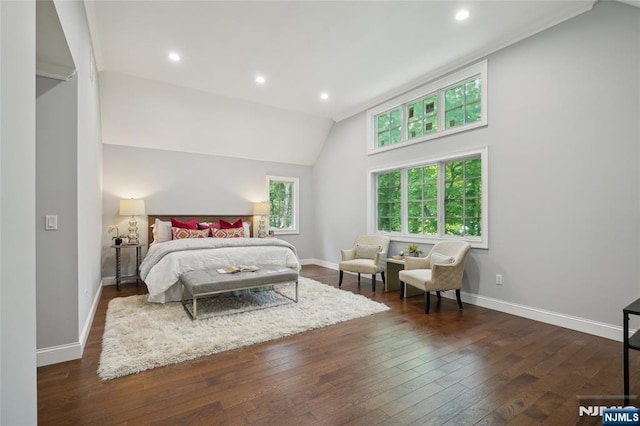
column 119, row 276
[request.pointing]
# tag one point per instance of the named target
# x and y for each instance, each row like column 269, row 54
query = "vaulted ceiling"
column 358, row 52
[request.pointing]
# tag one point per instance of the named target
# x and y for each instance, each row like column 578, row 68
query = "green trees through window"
column 389, row 202
column 462, row 106
column 440, row 199
column 422, row 199
column 283, row 198
column 453, row 103
column 463, row 198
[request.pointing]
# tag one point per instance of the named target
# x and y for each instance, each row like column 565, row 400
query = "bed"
column 167, row 259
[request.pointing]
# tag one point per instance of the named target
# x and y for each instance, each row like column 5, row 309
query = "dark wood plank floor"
column 397, row 367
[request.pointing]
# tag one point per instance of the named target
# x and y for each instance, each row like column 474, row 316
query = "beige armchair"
column 441, row 270
column 367, row 256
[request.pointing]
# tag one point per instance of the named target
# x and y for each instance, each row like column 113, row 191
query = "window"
column 283, row 198
column 463, row 197
column 389, row 201
column 422, row 117
column 462, row 104
column 432, row 199
column 449, row 105
column 390, row 127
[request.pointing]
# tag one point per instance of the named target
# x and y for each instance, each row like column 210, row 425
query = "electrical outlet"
column 499, row 279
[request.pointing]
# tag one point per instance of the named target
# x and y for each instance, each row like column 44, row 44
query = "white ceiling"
column 360, row 52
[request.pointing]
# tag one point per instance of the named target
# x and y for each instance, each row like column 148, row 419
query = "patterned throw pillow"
column 181, row 233
column 364, row 251
column 228, row 233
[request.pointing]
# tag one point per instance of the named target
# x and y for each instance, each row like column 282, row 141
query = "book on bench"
column 238, row 268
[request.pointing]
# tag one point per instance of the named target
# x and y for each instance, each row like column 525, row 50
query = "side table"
column 394, row 266
column 119, row 276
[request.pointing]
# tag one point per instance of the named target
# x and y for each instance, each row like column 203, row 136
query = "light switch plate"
column 51, row 223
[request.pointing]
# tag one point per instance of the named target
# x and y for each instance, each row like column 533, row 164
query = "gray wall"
column 563, row 141
column 69, row 171
column 18, row 390
column 56, row 194
column 183, row 183
column 73, row 20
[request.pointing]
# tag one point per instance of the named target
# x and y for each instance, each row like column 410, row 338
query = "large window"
column 432, row 199
column 449, row 105
column 283, row 197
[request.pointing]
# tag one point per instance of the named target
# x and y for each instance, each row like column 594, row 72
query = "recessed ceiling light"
column 260, row 79
column 462, row 15
column 174, row 56
column 324, row 96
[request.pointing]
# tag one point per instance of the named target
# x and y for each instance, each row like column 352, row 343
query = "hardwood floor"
column 397, row 367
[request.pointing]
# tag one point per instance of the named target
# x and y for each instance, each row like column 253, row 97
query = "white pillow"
column 247, row 229
column 365, row 251
column 440, row 259
column 161, row 231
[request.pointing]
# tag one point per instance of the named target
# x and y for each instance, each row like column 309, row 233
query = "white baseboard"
column 323, row 263
column 57, row 354
column 583, row 325
column 86, row 329
column 71, row 351
column 108, row 281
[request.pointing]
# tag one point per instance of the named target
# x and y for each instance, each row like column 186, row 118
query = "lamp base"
column 133, row 237
column 262, row 232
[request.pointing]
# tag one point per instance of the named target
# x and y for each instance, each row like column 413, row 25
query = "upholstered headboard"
column 199, row 218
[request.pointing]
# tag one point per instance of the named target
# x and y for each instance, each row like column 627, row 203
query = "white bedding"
column 165, row 261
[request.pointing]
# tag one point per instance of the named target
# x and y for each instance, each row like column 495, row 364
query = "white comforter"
column 164, row 262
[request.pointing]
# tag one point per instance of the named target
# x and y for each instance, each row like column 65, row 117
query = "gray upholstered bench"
column 207, row 282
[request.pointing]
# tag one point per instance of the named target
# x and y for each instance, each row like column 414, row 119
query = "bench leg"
column 195, row 307
column 184, row 304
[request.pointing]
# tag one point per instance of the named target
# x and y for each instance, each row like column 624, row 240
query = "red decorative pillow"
column 207, row 225
column 228, row 233
column 192, row 224
column 226, row 225
column 181, row 233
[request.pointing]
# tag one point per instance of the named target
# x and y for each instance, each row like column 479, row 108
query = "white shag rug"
column 139, row 335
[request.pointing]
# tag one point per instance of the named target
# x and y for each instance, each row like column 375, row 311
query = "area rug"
column 139, row 335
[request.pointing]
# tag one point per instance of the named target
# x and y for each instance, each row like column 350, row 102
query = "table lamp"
column 132, row 208
column 262, row 209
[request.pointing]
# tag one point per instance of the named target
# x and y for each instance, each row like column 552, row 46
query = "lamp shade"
column 131, row 207
column 262, row 209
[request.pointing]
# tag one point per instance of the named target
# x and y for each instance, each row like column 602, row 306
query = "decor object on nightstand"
column 117, row 239
column 262, row 209
column 132, row 208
